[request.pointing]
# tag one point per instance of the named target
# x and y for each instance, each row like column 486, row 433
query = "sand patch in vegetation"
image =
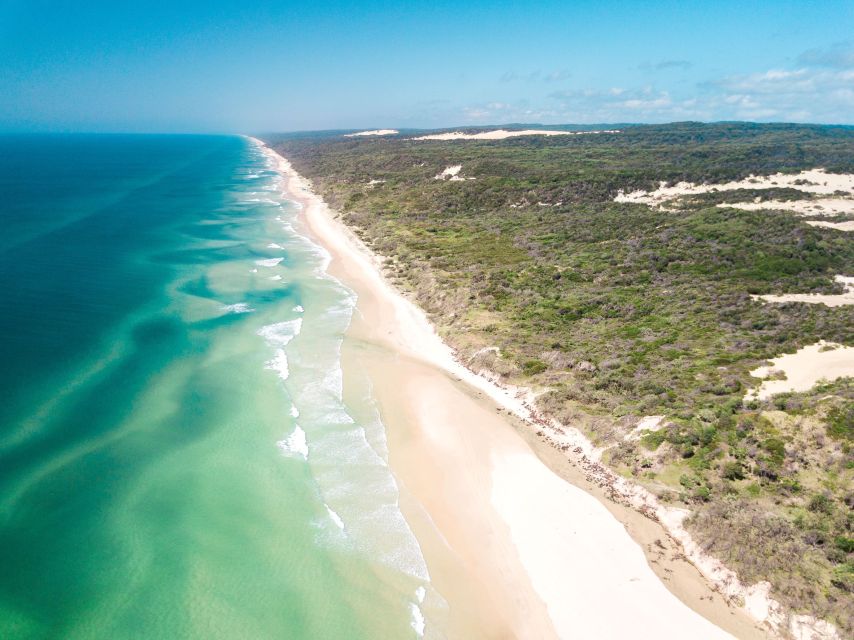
column 819, row 207
column 803, row 369
column 502, row 134
column 839, row 226
column 451, row 173
column 644, row 425
column 813, row 181
column 834, row 300
column 372, row 132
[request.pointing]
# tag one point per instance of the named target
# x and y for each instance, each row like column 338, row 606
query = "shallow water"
column 176, row 458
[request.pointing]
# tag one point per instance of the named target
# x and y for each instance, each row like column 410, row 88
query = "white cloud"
column 820, row 89
column 618, row 104
column 804, row 94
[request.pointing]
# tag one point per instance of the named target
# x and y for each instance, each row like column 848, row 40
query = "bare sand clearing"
column 818, row 207
column 515, row 550
column 372, row 132
column 839, row 226
column 814, row 181
column 451, row 173
column 836, row 300
column 804, row 368
column 502, row 134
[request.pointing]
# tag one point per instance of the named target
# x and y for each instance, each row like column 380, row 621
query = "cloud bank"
column 817, row 87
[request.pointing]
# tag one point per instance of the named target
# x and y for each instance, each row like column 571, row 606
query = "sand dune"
column 839, row 226
column 372, row 132
column 818, row 207
column 814, row 181
column 502, row 134
column 803, row 369
column 836, row 300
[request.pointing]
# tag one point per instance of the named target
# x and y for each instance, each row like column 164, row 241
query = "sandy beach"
column 517, row 541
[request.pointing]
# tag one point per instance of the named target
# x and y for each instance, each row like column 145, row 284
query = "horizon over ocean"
column 176, row 454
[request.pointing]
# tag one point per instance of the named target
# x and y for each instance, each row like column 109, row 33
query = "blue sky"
column 222, row 65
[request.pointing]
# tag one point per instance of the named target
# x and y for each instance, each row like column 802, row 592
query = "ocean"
column 177, row 459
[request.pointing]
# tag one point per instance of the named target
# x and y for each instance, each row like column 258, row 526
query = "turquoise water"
column 176, row 460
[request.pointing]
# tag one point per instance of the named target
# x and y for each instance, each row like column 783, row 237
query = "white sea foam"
column 417, row 619
column 253, row 271
column 348, row 465
column 295, row 444
column 334, row 516
column 276, row 277
column 239, row 307
column 294, row 411
column 279, row 364
column 274, row 245
column 280, row 334
column 268, row 262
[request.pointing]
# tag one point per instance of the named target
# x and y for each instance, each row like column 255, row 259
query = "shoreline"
column 400, row 337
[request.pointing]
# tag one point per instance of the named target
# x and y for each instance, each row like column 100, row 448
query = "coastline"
column 475, row 476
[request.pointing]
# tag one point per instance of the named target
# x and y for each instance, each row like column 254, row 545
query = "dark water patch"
column 205, row 255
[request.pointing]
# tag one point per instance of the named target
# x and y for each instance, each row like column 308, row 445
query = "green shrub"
column 733, row 470
column 845, row 544
column 533, row 367
column 820, row 503
column 840, row 422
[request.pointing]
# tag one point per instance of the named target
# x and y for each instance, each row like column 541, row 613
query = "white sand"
column 819, row 207
column 804, row 368
column 539, row 508
column 647, row 423
column 837, row 300
column 840, row 226
column 580, row 564
column 816, row 181
column 451, row 173
column 502, row 134
column 372, row 132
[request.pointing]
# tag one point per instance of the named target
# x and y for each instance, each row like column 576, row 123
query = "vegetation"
column 620, row 311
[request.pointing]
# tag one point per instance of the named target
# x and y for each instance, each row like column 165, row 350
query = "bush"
column 733, row 470
column 840, row 422
column 533, row 367
column 845, row 544
column 820, row 503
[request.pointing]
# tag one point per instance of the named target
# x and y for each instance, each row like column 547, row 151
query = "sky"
column 263, row 66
